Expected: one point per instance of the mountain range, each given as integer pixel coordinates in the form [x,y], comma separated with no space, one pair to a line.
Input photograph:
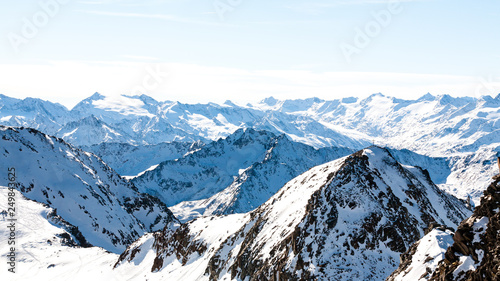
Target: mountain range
[350,218]
[463,130]
[353,189]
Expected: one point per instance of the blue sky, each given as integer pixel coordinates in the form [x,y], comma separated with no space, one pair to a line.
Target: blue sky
[65,50]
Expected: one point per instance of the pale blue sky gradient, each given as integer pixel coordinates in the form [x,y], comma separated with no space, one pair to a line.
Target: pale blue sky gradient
[455,39]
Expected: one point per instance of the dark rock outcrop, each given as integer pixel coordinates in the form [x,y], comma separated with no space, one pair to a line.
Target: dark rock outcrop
[476,240]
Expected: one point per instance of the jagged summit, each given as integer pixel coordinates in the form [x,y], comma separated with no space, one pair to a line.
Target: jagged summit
[269,101]
[427,97]
[145,98]
[93,97]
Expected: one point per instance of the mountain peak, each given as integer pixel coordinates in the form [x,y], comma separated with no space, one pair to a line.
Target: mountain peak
[446,99]
[96,96]
[245,135]
[229,103]
[349,100]
[271,101]
[374,95]
[427,97]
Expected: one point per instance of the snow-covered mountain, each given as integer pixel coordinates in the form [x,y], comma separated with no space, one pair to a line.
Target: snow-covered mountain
[462,130]
[131,160]
[34,113]
[226,177]
[344,220]
[107,210]
[90,130]
[471,253]
[207,171]
[148,121]
[232,175]
[429,125]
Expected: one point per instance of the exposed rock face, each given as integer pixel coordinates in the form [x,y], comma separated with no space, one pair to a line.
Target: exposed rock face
[475,253]
[349,219]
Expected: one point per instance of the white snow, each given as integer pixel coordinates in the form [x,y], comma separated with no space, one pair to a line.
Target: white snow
[123,105]
[457,128]
[430,251]
[466,264]
[479,228]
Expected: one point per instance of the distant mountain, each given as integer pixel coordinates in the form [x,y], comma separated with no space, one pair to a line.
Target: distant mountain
[90,130]
[429,125]
[130,160]
[231,175]
[148,121]
[349,219]
[470,253]
[201,174]
[88,195]
[34,113]
[463,130]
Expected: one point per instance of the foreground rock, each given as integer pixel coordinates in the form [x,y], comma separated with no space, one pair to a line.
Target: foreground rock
[473,252]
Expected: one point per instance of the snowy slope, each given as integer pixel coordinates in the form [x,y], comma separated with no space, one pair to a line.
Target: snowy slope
[424,256]
[348,219]
[46,251]
[471,253]
[108,210]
